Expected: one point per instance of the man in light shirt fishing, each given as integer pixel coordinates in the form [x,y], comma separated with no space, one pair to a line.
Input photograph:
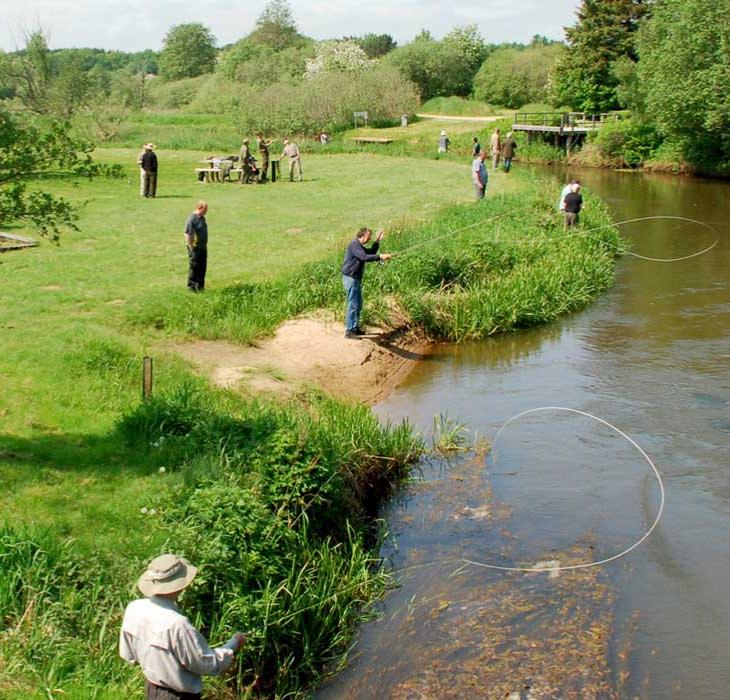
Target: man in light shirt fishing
[172,654]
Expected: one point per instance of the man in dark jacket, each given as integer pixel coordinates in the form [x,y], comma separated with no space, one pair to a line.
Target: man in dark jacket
[573,206]
[353,268]
[148,162]
[509,146]
[196,241]
[263,146]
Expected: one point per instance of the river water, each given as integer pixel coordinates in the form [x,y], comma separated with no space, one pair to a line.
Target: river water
[652,356]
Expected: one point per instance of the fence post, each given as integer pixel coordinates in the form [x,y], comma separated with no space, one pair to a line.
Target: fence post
[146,378]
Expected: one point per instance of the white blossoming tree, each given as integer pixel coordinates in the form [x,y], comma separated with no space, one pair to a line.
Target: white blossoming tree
[337,57]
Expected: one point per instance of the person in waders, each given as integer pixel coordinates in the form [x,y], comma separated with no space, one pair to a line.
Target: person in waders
[172,654]
[353,269]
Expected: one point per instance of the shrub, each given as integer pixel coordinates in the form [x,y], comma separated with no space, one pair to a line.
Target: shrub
[627,142]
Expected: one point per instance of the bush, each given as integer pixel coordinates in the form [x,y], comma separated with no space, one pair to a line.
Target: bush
[626,143]
[180,93]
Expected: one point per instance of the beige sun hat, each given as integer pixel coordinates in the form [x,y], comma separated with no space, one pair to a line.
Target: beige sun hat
[167,573]
[151,146]
[443,132]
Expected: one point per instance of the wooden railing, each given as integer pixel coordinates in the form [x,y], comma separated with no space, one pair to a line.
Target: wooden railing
[567,120]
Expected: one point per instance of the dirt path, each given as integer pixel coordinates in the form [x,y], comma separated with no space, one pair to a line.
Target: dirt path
[310,352]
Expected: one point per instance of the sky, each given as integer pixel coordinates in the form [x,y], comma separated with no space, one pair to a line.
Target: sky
[135,25]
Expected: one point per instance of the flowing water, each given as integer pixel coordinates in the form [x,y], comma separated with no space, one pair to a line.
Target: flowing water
[652,356]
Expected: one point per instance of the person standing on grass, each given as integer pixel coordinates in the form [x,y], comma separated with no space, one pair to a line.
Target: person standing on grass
[353,269]
[479,175]
[149,167]
[573,206]
[141,173]
[509,146]
[496,146]
[291,151]
[565,192]
[172,654]
[444,142]
[263,145]
[196,240]
[476,148]
[246,169]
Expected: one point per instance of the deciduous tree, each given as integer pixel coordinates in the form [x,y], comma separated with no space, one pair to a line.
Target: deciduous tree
[28,154]
[606,31]
[276,27]
[188,51]
[375,45]
[684,75]
[514,77]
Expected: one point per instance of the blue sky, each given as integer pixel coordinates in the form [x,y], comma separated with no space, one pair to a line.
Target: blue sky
[133,25]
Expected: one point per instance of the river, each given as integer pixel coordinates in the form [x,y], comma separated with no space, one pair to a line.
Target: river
[652,356]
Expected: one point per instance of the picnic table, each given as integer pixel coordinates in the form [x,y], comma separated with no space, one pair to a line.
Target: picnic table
[371,139]
[212,172]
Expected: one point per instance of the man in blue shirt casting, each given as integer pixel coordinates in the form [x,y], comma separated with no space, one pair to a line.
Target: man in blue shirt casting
[353,268]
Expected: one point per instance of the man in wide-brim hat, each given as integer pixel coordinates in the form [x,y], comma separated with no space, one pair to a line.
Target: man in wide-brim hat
[172,654]
[148,163]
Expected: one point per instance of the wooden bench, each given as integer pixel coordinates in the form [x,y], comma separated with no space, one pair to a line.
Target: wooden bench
[371,139]
[15,242]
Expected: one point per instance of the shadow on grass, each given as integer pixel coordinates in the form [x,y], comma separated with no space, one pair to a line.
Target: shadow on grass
[78,453]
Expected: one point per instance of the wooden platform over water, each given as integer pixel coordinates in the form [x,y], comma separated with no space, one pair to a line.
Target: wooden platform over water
[565,128]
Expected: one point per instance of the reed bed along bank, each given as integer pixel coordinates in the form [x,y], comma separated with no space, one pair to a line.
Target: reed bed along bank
[475,270]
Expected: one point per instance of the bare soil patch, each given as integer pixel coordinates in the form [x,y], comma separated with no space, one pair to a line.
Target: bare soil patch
[311,352]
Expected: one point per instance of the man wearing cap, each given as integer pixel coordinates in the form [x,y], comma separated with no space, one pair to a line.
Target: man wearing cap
[172,654]
[149,166]
[291,151]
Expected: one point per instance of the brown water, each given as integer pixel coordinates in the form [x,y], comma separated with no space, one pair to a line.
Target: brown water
[652,357]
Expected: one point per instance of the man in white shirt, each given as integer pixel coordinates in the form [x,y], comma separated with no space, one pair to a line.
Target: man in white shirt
[291,151]
[172,654]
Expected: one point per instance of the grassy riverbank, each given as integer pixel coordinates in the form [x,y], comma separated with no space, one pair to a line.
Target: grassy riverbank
[273,501]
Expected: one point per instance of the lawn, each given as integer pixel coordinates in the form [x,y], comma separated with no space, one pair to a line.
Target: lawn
[65,304]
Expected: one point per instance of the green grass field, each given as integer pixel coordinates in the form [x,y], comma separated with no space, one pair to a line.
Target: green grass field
[67,301]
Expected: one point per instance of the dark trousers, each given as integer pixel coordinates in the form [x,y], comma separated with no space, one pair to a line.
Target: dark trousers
[156,692]
[150,184]
[198,264]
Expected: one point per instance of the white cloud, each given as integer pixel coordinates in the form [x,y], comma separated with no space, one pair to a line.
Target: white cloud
[140,24]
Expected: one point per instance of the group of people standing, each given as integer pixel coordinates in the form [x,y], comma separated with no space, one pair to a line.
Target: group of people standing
[498,148]
[251,171]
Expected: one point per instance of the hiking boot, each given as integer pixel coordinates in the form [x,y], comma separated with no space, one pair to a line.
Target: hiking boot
[359,331]
[352,334]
